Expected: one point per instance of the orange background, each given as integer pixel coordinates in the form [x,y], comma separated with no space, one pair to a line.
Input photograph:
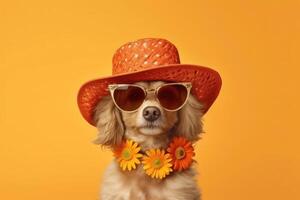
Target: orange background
[48,49]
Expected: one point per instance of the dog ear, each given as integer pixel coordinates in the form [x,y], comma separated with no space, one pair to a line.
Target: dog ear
[189,123]
[109,123]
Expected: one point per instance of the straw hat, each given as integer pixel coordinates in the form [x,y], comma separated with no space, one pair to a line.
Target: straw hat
[150,59]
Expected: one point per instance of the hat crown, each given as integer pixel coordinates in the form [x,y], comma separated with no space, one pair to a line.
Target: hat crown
[144,54]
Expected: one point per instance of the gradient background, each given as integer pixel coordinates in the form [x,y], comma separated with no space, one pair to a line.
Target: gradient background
[48,49]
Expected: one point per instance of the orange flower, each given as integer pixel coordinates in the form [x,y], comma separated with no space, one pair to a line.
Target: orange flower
[157,163]
[128,155]
[182,153]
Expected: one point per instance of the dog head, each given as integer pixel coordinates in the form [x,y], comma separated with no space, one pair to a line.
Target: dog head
[150,119]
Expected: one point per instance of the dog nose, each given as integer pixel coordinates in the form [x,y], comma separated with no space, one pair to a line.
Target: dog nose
[151,113]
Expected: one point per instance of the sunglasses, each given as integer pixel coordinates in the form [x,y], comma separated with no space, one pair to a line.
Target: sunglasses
[129,97]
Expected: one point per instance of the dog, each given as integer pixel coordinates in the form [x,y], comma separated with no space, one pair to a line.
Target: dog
[115,125]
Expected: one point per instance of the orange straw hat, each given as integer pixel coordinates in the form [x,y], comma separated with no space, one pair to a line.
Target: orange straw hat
[150,59]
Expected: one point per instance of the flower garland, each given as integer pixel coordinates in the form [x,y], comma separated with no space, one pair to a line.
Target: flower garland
[158,163]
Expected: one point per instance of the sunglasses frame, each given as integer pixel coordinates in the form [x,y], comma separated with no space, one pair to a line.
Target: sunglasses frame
[113,87]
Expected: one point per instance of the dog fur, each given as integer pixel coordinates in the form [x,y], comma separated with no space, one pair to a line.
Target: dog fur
[115,125]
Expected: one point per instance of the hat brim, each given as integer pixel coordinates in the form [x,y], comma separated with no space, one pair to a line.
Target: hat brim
[206,84]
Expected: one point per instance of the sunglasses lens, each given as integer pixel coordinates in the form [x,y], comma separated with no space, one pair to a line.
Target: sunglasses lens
[172,97]
[129,98]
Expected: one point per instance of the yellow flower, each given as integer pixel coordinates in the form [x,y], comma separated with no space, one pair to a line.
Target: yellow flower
[157,163]
[128,155]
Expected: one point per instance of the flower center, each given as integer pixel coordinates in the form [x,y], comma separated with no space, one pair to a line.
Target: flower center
[157,163]
[180,153]
[126,154]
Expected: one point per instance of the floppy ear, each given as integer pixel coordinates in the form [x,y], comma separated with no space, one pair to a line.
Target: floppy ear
[189,123]
[109,123]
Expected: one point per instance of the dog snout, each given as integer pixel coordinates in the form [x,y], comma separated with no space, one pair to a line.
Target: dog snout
[151,113]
